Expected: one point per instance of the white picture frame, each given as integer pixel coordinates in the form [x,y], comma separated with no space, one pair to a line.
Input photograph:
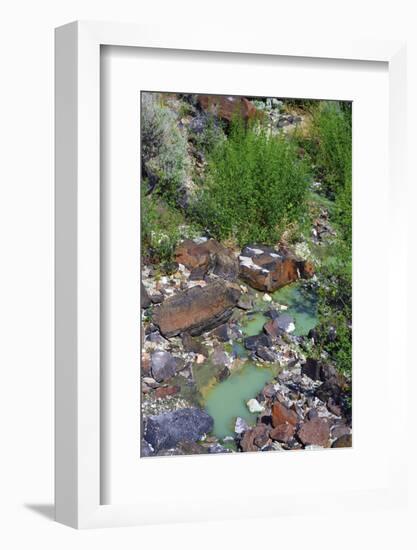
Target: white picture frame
[77,242]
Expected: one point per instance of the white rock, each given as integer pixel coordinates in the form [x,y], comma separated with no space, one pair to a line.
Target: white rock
[291,327]
[200,359]
[241,425]
[254,406]
[267,298]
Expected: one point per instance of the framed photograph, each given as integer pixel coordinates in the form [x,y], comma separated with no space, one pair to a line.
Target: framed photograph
[225,323]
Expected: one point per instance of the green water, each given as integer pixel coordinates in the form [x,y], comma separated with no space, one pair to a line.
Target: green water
[254,324]
[227,400]
[302,306]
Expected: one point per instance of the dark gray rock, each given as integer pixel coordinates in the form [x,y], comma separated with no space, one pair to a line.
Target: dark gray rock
[311,368]
[245,302]
[166,430]
[221,333]
[254,342]
[266,354]
[164,365]
[145,300]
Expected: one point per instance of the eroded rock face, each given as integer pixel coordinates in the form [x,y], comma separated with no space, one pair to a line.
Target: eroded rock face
[197,309]
[267,269]
[207,257]
[166,430]
[225,107]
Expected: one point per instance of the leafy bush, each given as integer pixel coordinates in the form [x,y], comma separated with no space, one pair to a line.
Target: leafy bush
[255,186]
[164,147]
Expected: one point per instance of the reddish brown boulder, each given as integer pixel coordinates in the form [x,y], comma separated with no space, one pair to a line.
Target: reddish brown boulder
[255,438]
[271,270]
[225,107]
[283,432]
[281,415]
[162,392]
[196,310]
[315,432]
[209,256]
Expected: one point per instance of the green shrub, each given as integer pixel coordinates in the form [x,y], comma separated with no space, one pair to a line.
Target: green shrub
[331,147]
[255,186]
[164,147]
[162,227]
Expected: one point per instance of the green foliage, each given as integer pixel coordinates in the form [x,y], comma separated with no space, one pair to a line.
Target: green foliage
[256,185]
[164,147]
[331,147]
[162,227]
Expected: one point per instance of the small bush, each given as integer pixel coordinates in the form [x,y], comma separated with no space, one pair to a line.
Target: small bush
[164,147]
[161,230]
[255,186]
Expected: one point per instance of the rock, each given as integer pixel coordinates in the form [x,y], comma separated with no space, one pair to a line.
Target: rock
[145,300]
[145,449]
[197,309]
[315,432]
[255,438]
[217,448]
[268,270]
[191,448]
[269,391]
[221,333]
[157,298]
[267,298]
[254,406]
[259,340]
[283,432]
[151,382]
[311,368]
[282,415]
[266,354]
[312,413]
[191,344]
[165,391]
[241,425]
[281,323]
[333,407]
[339,429]
[245,302]
[207,257]
[223,374]
[343,441]
[272,313]
[164,365]
[219,358]
[165,430]
[225,107]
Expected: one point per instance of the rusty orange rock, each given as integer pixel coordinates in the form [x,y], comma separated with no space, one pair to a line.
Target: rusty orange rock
[281,415]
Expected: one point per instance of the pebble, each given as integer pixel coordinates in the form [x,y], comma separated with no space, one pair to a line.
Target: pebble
[254,406]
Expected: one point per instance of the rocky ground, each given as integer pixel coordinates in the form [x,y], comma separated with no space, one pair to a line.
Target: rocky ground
[193,337]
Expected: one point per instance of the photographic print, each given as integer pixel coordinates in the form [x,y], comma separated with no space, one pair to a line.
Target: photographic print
[246,274]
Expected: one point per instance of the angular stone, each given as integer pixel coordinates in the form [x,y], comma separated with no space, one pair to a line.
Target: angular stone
[163,365]
[221,333]
[315,432]
[241,425]
[282,415]
[266,354]
[245,302]
[197,309]
[253,342]
[283,432]
[268,271]
[165,430]
[207,257]
[255,438]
